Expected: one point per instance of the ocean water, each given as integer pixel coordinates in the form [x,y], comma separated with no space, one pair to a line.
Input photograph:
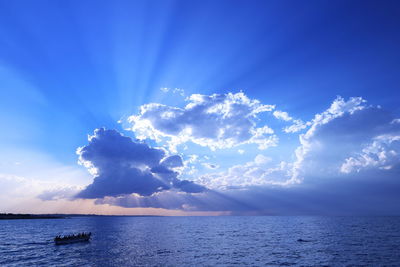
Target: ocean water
[204,241]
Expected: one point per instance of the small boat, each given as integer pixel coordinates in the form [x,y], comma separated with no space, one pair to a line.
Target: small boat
[68,239]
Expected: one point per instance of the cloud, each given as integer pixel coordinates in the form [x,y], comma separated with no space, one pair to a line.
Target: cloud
[217,121]
[172,161]
[282,115]
[15,190]
[17,186]
[205,201]
[348,137]
[344,138]
[210,165]
[382,153]
[59,193]
[362,195]
[347,162]
[122,166]
[179,91]
[297,125]
[259,172]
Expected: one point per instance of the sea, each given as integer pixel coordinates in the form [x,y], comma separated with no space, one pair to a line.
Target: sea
[204,241]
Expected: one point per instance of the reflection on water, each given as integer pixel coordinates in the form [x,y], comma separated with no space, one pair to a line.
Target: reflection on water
[272,241]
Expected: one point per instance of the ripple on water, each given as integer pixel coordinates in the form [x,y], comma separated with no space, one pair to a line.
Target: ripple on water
[272,241]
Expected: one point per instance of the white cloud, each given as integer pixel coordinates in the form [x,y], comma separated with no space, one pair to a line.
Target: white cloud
[282,115]
[260,171]
[26,174]
[344,147]
[261,159]
[217,121]
[179,91]
[17,188]
[334,143]
[193,158]
[382,153]
[67,192]
[349,136]
[297,125]
[313,149]
[395,121]
[337,109]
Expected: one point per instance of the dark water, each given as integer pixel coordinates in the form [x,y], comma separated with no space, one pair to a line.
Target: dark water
[204,241]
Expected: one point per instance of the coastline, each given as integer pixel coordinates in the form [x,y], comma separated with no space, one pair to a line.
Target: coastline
[11,216]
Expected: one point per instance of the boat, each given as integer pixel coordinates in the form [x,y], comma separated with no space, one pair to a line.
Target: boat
[69,239]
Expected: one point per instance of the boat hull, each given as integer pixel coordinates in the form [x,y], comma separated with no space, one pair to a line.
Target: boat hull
[71,241]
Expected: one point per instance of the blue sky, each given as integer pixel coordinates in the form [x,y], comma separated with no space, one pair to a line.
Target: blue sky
[68,68]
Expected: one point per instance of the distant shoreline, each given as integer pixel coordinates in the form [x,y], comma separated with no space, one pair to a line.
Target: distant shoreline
[11,216]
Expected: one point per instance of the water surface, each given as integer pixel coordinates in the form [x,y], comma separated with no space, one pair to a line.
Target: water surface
[204,241]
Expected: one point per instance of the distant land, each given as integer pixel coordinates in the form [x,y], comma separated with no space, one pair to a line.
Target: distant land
[12,216]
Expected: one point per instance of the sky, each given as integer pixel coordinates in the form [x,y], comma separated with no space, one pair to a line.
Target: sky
[200,107]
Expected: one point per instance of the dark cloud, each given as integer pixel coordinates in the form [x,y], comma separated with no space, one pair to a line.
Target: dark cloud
[188,186]
[122,166]
[205,201]
[359,196]
[172,161]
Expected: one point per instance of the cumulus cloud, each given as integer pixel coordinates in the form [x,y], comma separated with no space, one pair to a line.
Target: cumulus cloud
[347,136]
[382,153]
[217,121]
[122,166]
[349,151]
